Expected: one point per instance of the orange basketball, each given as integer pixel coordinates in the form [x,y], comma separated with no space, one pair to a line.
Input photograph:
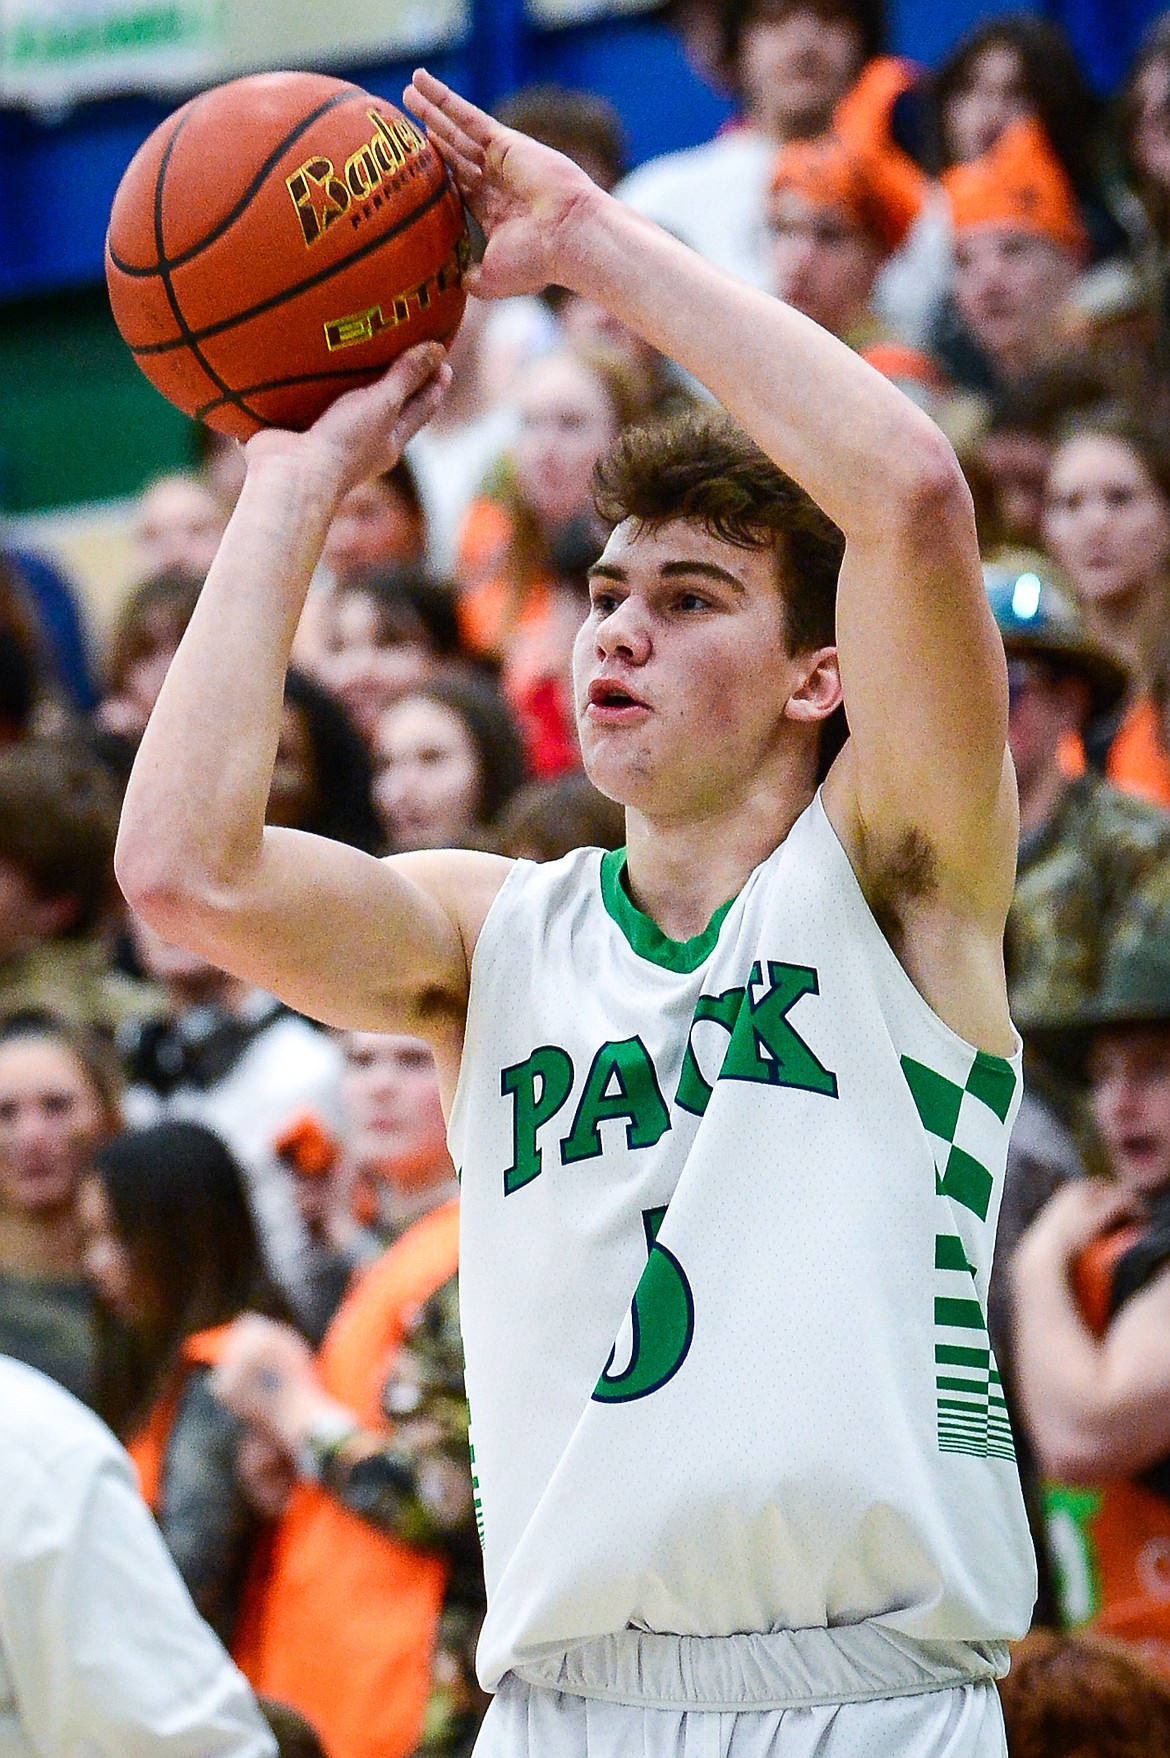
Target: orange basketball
[277,241]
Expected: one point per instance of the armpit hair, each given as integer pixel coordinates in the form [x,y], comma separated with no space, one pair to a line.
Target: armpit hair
[904,874]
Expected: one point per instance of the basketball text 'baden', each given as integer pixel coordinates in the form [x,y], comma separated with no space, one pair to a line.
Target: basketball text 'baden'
[279,240]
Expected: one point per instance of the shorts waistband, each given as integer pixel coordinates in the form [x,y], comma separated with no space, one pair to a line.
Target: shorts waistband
[781,1669]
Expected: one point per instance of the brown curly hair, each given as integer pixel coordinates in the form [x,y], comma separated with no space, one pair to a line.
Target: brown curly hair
[1083,1697]
[699,466]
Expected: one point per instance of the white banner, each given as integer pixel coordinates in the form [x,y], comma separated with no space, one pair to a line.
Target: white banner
[53,51]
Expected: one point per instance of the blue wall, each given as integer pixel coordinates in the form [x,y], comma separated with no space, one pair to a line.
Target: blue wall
[67,171]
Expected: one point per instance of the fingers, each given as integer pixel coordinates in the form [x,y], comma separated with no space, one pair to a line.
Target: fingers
[417,411]
[449,114]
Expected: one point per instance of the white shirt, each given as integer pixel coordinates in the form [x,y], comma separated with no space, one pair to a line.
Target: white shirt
[289,1069]
[102,1654]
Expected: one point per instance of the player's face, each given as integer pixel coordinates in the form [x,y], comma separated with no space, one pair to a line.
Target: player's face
[51,1119]
[682,676]
[1130,1073]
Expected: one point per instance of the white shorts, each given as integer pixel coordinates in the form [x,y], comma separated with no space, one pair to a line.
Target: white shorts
[856,1693]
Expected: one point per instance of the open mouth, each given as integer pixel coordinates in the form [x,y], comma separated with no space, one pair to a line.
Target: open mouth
[611,697]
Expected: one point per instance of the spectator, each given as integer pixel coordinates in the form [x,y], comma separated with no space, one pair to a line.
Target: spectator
[378,646]
[229,1056]
[178,523]
[580,124]
[1081,1697]
[791,62]
[1091,1292]
[172,1252]
[449,760]
[572,405]
[473,425]
[377,1575]
[145,636]
[1020,245]
[58,820]
[60,628]
[1017,67]
[1145,138]
[1108,525]
[294,1737]
[24,694]
[1085,848]
[102,1654]
[548,819]
[379,526]
[59,1099]
[836,215]
[323,776]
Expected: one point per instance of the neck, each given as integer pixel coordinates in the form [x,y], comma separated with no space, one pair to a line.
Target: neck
[40,1245]
[1040,795]
[680,871]
[399,1208]
[1129,625]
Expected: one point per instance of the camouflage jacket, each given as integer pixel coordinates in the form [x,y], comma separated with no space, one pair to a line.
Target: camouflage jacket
[1076,880]
[418,1486]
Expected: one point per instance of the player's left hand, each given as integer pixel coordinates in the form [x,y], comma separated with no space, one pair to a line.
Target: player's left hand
[524,195]
[364,432]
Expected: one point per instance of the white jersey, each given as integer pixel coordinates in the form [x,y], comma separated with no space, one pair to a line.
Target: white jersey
[727,1220]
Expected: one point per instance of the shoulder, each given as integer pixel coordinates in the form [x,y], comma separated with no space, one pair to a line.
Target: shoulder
[47,1438]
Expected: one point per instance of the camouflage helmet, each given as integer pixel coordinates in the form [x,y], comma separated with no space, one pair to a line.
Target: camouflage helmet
[1135,991]
[1036,617]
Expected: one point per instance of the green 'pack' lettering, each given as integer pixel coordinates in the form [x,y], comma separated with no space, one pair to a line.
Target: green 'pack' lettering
[551,1070]
[764,1047]
[694,1092]
[625,1068]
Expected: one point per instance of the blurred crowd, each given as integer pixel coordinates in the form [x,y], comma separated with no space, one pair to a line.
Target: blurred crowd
[232,1232]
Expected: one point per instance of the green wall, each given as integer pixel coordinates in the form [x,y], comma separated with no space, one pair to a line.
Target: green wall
[78,422]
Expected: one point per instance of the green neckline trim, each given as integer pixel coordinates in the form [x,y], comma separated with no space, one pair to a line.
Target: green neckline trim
[646,937]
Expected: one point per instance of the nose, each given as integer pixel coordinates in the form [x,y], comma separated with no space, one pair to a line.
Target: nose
[625,633]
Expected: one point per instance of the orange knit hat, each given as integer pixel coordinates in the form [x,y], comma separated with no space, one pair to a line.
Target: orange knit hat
[1019,182]
[830,173]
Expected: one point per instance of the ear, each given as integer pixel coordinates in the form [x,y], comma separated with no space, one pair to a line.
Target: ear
[817,692]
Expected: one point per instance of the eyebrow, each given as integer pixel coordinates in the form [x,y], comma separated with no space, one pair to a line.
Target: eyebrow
[672,571]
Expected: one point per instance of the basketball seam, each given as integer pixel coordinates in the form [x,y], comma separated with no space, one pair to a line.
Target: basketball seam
[249,195]
[276,299]
[187,335]
[305,378]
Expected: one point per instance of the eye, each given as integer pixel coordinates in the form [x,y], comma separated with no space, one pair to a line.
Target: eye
[692,601]
[57,1104]
[602,601]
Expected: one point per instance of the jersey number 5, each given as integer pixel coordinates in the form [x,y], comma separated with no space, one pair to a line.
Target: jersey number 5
[662,1321]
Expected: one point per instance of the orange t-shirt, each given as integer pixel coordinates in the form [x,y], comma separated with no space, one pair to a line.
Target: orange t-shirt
[1138,760]
[492,606]
[1111,1542]
[350,1614]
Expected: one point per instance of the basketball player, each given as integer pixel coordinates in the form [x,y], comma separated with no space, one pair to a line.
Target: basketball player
[732,1106]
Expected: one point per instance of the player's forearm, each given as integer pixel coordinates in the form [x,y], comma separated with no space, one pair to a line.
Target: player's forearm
[848,436]
[193,818]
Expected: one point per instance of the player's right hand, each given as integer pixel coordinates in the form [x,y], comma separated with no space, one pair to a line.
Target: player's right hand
[525,196]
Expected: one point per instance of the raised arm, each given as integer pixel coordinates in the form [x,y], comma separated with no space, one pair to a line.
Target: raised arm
[922,663]
[379,945]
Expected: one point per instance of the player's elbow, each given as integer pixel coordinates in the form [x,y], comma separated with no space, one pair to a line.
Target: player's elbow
[167,886]
[931,491]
